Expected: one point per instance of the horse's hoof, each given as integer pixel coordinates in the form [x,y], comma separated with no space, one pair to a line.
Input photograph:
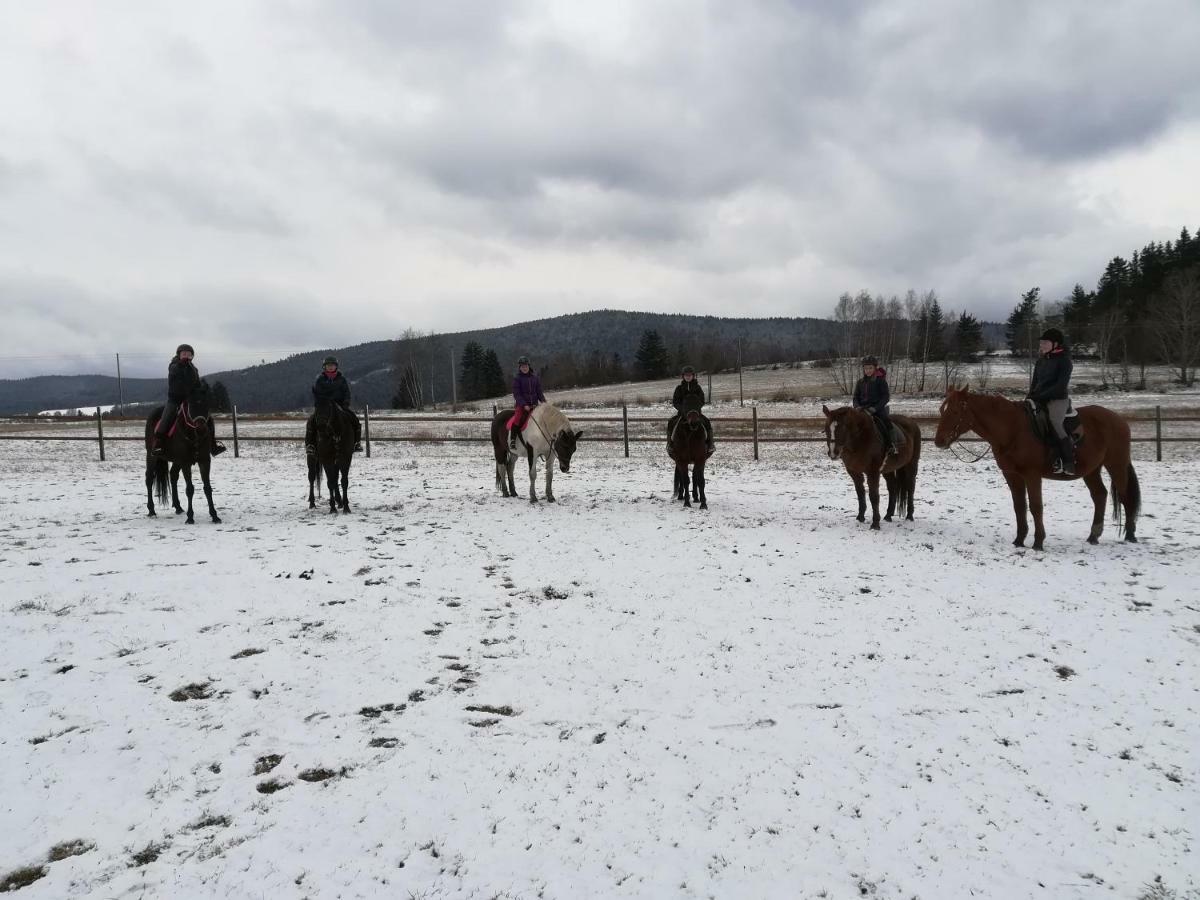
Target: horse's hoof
[704,506]
[1131,539]
[1037,545]
[1018,542]
[908,518]
[887,518]
[216,520]
[1092,539]
[152,514]
[189,521]
[860,518]
[875,526]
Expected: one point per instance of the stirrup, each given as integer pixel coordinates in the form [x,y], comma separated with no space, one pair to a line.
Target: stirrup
[357,447]
[218,449]
[310,449]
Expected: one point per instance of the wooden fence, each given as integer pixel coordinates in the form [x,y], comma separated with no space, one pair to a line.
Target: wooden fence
[756,430]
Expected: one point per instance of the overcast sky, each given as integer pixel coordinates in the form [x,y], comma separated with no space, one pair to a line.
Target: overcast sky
[263,177]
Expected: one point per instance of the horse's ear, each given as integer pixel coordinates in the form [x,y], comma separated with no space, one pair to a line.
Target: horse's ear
[578,435]
[825,409]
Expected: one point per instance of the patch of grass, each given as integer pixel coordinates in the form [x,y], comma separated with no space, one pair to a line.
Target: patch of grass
[319,774]
[19,878]
[69,848]
[194,691]
[270,787]
[249,651]
[147,855]
[1064,672]
[265,764]
[550,592]
[493,710]
[210,821]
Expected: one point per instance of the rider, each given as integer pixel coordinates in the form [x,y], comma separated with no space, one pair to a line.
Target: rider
[331,385]
[1048,387]
[689,387]
[527,393]
[182,379]
[872,395]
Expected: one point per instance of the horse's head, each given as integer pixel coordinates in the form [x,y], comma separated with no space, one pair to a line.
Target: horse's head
[837,432]
[564,447]
[199,402]
[323,413]
[691,411]
[954,418]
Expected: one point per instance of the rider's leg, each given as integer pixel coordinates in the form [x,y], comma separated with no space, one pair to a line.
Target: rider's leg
[885,425]
[671,423]
[518,420]
[215,447]
[708,435]
[357,429]
[1056,410]
[170,411]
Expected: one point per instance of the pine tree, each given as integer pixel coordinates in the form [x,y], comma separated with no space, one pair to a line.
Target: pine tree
[1024,324]
[494,383]
[937,332]
[968,337]
[470,380]
[219,398]
[653,361]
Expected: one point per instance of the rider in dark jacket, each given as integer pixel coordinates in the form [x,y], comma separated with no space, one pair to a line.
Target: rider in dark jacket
[1048,388]
[182,379]
[871,394]
[527,393]
[331,386]
[689,387]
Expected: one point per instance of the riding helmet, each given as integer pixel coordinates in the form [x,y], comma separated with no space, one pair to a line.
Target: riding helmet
[330,361]
[688,370]
[870,361]
[1053,335]
[187,347]
[523,361]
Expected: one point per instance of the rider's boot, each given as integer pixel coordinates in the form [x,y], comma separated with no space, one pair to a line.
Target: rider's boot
[1066,451]
[158,449]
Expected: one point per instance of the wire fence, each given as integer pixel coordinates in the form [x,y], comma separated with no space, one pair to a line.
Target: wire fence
[624,429]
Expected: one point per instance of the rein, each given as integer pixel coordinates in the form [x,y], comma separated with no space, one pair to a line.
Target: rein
[954,448]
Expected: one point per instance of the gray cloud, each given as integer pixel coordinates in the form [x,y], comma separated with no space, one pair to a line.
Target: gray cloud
[315,174]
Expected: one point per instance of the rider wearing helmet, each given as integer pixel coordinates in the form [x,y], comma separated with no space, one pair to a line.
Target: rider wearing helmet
[182,379]
[689,387]
[1048,388]
[527,393]
[331,386]
[871,395]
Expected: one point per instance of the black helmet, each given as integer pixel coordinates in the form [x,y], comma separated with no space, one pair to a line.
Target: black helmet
[870,361]
[1053,335]
[330,360]
[688,370]
[523,361]
[187,347]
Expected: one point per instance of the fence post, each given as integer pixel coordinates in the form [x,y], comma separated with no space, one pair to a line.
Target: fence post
[236,450]
[625,426]
[100,432]
[754,419]
[495,411]
[367,427]
[1158,434]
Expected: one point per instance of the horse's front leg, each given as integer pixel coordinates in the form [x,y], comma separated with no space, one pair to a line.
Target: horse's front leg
[685,486]
[313,472]
[1095,485]
[346,486]
[191,489]
[1016,486]
[860,491]
[205,464]
[532,476]
[550,477]
[1033,485]
[150,470]
[873,489]
[175,467]
[331,482]
[698,478]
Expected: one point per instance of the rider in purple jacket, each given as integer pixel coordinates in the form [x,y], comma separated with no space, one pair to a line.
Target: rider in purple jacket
[527,393]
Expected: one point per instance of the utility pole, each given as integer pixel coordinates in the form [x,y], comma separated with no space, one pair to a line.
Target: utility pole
[741,392]
[120,387]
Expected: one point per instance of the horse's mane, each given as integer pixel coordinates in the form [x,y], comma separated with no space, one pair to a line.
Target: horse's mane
[857,420]
[551,419]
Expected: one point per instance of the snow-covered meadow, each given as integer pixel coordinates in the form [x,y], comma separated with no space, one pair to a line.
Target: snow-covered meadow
[447,694]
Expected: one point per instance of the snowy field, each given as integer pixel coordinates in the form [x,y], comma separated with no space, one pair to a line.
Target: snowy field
[446,694]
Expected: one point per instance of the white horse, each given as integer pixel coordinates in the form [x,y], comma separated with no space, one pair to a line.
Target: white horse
[548,436]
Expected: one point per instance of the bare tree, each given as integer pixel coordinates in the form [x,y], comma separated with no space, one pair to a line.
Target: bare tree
[414,357]
[1178,322]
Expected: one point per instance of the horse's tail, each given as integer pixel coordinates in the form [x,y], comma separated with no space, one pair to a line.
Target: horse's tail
[160,480]
[1131,495]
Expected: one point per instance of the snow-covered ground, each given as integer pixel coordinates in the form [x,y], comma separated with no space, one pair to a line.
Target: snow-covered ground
[447,694]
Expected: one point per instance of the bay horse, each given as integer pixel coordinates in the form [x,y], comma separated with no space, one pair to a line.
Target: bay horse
[1024,460]
[334,431]
[688,445]
[852,436]
[185,446]
[548,435]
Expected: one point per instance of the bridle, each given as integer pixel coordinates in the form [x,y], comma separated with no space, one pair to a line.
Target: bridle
[963,423]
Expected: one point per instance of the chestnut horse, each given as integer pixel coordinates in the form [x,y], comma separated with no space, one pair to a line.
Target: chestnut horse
[852,436]
[1024,460]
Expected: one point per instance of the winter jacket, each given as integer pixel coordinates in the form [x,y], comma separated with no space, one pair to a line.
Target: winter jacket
[182,379]
[527,389]
[686,389]
[872,394]
[1051,375]
[335,389]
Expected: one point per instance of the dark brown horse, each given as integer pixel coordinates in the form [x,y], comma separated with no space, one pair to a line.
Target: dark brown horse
[334,429]
[1024,460]
[852,436]
[688,445]
[187,445]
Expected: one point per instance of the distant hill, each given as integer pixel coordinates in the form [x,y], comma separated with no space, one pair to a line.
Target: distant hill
[371,367]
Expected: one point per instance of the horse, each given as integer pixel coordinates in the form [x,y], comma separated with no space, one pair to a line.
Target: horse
[687,445]
[852,436]
[548,435]
[335,450]
[1024,460]
[186,445]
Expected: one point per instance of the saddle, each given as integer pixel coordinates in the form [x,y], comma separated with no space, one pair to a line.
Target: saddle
[899,438]
[1039,421]
[183,415]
